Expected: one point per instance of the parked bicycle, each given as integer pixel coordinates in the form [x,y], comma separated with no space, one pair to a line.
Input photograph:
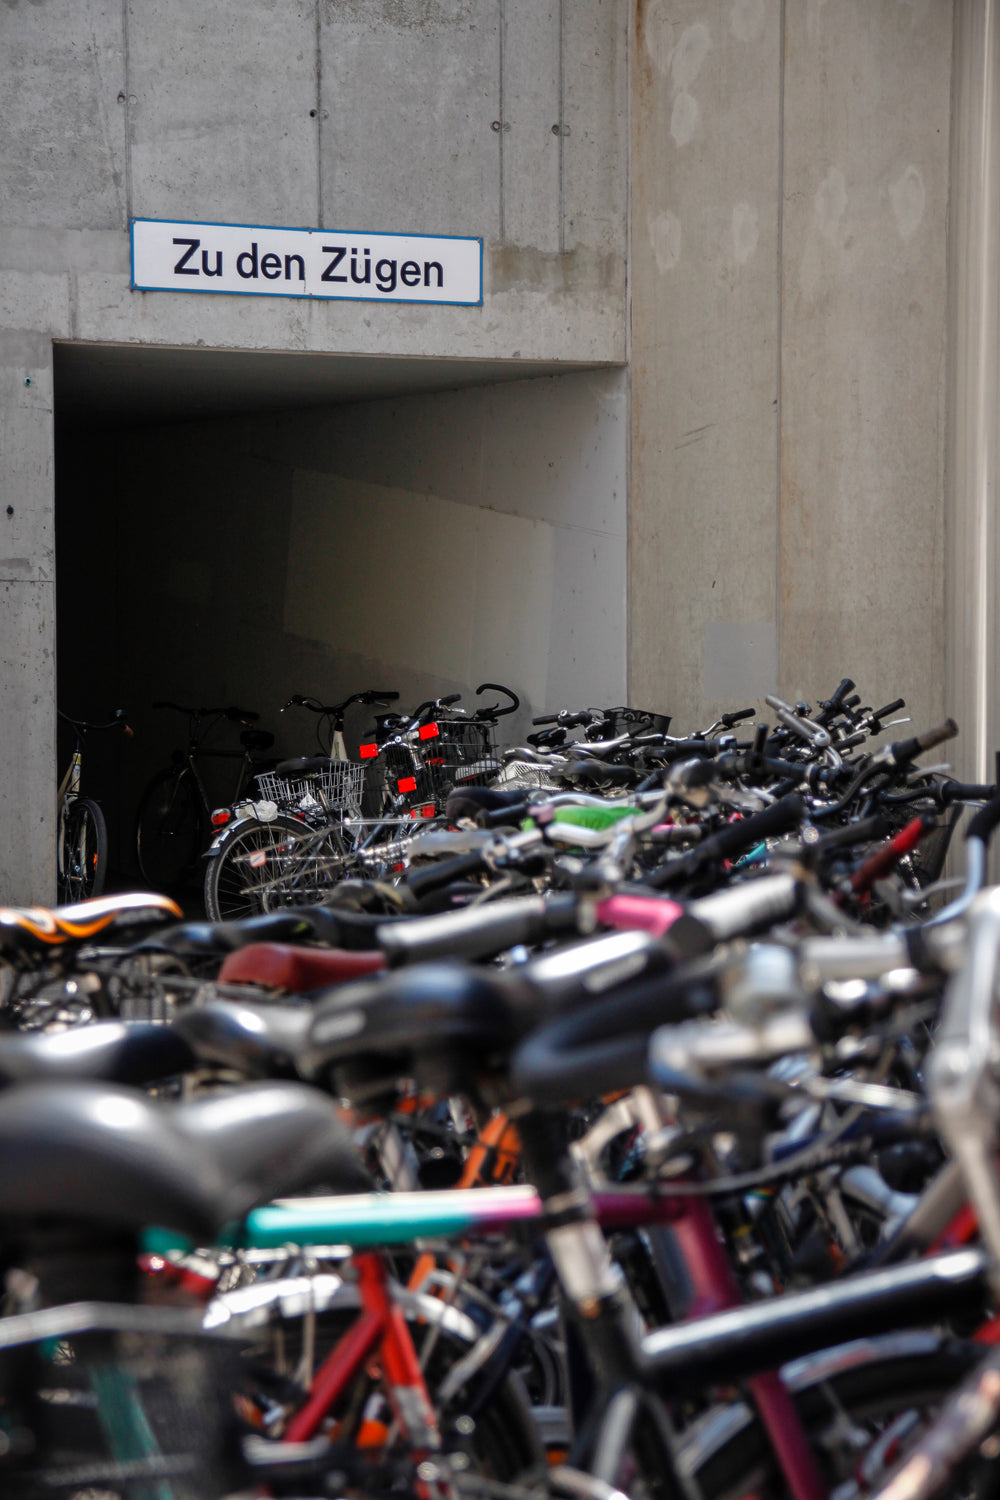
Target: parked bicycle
[174,814]
[287,845]
[82,834]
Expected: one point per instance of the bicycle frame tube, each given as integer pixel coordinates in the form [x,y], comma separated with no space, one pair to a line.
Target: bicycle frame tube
[732,1342]
[380,1324]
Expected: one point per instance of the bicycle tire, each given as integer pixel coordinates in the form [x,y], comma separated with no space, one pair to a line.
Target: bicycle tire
[504,1445]
[234,888]
[873,1392]
[83,861]
[168,829]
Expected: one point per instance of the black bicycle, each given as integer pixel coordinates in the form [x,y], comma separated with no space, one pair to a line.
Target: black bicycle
[174,814]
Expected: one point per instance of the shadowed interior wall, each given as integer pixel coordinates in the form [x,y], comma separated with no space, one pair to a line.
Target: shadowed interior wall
[424,545]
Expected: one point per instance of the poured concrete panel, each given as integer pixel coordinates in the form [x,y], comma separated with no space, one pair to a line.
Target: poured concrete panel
[867,98]
[27,619]
[62,115]
[219,111]
[705,244]
[27,743]
[409,94]
[789,220]
[594,175]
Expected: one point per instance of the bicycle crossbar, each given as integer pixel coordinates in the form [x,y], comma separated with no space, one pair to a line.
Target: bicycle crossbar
[731,1344]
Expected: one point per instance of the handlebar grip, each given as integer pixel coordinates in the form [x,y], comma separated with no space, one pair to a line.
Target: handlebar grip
[781,817]
[983,824]
[741,908]
[840,693]
[734,718]
[546,719]
[904,750]
[477,931]
[241,715]
[422,883]
[447,701]
[505,817]
[890,708]
[375,695]
[961,791]
[862,832]
[601,1047]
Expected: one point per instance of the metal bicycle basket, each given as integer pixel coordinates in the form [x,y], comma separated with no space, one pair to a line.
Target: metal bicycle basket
[134,1412]
[527,775]
[462,754]
[336,786]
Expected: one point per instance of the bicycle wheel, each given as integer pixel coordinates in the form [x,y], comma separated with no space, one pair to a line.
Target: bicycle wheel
[258,867]
[858,1421]
[489,1419]
[168,828]
[83,856]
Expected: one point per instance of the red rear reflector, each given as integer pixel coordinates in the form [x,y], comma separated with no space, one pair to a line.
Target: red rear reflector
[429,731]
[368,752]
[408,784]
[220,817]
[427,811]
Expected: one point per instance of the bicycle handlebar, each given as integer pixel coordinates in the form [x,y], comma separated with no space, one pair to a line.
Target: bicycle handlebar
[496,712]
[983,824]
[117,722]
[368,697]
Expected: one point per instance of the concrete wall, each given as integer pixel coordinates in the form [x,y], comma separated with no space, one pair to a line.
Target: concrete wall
[423,545]
[504,119]
[790,191]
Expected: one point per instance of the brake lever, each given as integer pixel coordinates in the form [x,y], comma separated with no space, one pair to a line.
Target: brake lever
[813,734]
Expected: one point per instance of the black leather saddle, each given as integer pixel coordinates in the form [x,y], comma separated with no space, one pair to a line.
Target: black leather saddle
[111,1051]
[473,801]
[92,1153]
[258,1041]
[445,1025]
[303,765]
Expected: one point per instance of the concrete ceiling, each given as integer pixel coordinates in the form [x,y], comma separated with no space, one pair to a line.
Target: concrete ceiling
[128,385]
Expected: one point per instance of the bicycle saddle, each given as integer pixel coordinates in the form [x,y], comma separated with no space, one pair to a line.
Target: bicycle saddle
[599,771]
[97,1153]
[444,1025]
[304,765]
[36,928]
[471,801]
[259,1041]
[135,1053]
[302,924]
[297,970]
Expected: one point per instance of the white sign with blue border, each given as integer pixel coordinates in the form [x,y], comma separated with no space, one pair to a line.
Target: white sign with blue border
[242,259]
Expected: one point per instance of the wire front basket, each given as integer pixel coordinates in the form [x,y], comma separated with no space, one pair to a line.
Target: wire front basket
[336,787]
[130,1412]
[526,775]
